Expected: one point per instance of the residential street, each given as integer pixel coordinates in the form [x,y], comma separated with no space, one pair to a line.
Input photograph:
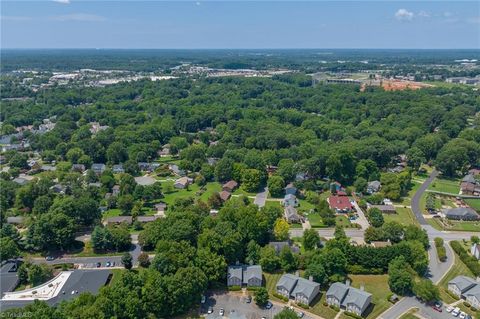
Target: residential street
[438,269]
[416,198]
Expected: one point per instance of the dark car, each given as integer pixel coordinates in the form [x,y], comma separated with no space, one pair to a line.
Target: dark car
[49,258]
[99,264]
[248,299]
[269,305]
[437,306]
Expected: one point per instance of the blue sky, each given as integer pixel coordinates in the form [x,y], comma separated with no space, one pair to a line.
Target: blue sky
[240,24]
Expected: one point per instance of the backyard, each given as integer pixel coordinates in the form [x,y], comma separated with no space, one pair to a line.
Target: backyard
[403,216]
[451,186]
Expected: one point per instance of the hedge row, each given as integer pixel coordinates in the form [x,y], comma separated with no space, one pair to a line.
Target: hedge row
[353,315]
[280,297]
[470,261]
[234,288]
[302,305]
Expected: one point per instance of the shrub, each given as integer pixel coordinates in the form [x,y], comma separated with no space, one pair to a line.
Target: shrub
[353,315]
[302,305]
[468,260]
[234,288]
[467,304]
[252,288]
[283,298]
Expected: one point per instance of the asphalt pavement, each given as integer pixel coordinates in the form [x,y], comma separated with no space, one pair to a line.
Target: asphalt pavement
[261,198]
[418,195]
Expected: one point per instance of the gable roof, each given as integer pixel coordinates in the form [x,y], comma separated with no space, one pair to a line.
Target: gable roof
[339,202]
[474,292]
[252,272]
[337,290]
[469,179]
[230,185]
[305,287]
[461,211]
[357,297]
[235,272]
[287,281]
[462,282]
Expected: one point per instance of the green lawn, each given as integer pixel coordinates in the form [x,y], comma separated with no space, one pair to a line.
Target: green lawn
[453,225]
[179,193]
[210,188]
[273,203]
[241,191]
[445,185]
[321,310]
[304,206]
[403,216]
[377,285]
[474,203]
[343,221]
[315,220]
[112,213]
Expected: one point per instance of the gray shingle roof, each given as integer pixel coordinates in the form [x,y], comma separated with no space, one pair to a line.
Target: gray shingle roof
[254,271]
[305,287]
[460,211]
[357,297]
[287,281]
[475,292]
[462,282]
[235,272]
[338,290]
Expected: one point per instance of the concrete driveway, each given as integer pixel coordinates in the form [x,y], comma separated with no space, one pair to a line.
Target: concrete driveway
[261,197]
[362,219]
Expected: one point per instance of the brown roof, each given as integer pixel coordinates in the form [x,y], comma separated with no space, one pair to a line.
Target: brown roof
[147,219]
[224,195]
[119,219]
[230,185]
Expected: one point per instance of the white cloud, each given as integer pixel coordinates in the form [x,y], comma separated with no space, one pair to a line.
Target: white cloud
[79,17]
[404,15]
[15,18]
[197,3]
[424,14]
[62,1]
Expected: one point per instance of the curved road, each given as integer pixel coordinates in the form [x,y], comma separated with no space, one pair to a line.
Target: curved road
[418,195]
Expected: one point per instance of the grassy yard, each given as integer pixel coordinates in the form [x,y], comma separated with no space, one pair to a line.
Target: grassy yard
[304,206]
[403,216]
[343,221]
[210,188]
[241,191]
[112,213]
[179,193]
[445,185]
[453,225]
[316,220]
[321,310]
[474,203]
[377,285]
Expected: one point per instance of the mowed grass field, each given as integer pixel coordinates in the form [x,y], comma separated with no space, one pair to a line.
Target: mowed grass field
[403,216]
[445,185]
[474,203]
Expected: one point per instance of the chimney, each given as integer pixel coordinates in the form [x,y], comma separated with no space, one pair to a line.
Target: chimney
[310,278]
[347,282]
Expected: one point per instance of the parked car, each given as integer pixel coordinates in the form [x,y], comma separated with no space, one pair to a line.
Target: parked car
[49,258]
[437,306]
[463,315]
[449,309]
[269,305]
[204,299]
[456,312]
[300,314]
[248,299]
[99,264]
[210,310]
[221,312]
[107,264]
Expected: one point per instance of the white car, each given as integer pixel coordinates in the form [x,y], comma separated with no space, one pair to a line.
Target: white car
[463,315]
[456,312]
[449,309]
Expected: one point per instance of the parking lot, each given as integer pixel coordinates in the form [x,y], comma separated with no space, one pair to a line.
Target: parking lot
[235,306]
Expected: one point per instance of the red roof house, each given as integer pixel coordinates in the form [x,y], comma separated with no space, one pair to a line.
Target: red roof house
[341,204]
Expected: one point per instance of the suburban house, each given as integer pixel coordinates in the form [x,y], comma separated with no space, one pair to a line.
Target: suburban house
[229,186]
[386,209]
[58,188]
[341,204]
[15,220]
[147,219]
[80,168]
[290,189]
[116,190]
[119,220]
[176,170]
[351,299]
[117,169]
[252,276]
[290,200]
[278,246]
[165,151]
[461,213]
[475,251]
[182,182]
[373,187]
[473,296]
[160,207]
[21,181]
[98,168]
[460,285]
[249,275]
[300,289]
[469,185]
[48,168]
[225,195]
[291,214]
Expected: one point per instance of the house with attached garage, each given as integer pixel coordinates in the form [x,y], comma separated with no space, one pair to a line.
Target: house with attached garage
[373,187]
[349,298]
[300,289]
[182,182]
[461,213]
[291,214]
